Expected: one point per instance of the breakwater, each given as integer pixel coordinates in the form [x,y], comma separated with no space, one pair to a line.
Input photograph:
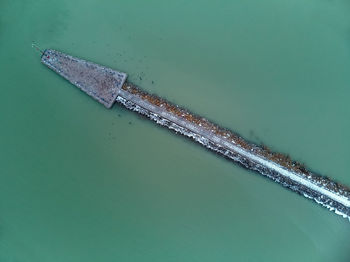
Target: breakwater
[275,166]
[107,85]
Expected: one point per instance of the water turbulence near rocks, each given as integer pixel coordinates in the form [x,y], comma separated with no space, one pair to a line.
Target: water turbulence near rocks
[107,86]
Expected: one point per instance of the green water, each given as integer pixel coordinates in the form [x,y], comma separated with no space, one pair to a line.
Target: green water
[82,183]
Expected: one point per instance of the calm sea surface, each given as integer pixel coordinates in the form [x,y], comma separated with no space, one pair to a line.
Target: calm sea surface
[82,183]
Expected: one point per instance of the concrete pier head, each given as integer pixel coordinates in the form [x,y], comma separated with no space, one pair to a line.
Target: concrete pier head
[99,82]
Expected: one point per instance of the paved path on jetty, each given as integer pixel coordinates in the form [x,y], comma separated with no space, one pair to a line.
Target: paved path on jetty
[231,146]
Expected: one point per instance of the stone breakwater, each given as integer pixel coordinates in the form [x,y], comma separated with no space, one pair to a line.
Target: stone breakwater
[107,86]
[278,167]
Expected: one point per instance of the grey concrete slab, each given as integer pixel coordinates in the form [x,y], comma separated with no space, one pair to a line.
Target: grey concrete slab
[99,82]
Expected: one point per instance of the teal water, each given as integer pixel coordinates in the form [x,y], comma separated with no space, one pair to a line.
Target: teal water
[82,183]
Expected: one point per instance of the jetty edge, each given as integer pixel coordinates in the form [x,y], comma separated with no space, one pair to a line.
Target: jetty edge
[108,86]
